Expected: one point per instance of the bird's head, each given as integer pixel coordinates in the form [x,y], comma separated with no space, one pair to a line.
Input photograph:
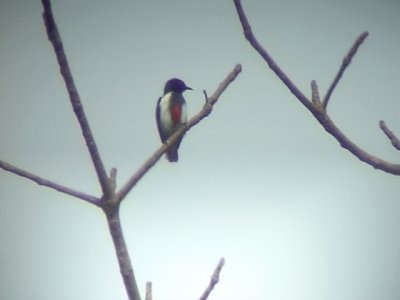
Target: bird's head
[175,85]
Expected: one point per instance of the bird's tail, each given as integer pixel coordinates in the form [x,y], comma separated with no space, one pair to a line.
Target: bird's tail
[172,153]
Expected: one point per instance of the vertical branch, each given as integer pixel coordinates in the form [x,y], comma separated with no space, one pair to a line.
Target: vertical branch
[121,250]
[55,39]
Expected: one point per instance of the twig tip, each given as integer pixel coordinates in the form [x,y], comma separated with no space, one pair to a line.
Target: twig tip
[365,34]
[238,68]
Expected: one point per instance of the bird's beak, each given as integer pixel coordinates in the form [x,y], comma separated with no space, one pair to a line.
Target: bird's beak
[189,88]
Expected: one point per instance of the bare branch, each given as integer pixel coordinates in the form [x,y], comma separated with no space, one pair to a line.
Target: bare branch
[317,110]
[125,266]
[149,294]
[214,280]
[346,62]
[107,203]
[205,111]
[55,39]
[55,186]
[248,33]
[361,154]
[392,137]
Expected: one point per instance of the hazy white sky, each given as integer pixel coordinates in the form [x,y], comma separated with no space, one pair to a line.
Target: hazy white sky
[258,182]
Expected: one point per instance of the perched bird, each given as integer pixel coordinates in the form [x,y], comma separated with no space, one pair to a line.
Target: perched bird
[171,114]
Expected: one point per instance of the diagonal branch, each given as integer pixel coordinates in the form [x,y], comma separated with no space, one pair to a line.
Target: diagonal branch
[314,106]
[361,154]
[346,62]
[248,33]
[55,39]
[55,186]
[205,111]
[214,280]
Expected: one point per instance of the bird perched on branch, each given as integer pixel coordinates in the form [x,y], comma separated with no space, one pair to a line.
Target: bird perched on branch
[171,114]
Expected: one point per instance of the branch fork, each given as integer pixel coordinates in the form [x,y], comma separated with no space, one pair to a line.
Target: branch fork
[110,199]
[316,108]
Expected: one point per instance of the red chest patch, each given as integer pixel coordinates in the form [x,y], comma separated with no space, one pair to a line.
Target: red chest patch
[176,113]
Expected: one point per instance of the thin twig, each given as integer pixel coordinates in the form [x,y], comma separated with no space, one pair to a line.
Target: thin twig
[55,186]
[113,179]
[315,93]
[205,96]
[149,294]
[55,39]
[214,280]
[205,111]
[248,33]
[346,62]
[320,114]
[391,136]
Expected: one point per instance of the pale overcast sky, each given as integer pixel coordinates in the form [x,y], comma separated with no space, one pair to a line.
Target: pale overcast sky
[258,182]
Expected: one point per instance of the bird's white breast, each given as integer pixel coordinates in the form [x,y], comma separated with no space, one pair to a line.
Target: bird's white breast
[165,113]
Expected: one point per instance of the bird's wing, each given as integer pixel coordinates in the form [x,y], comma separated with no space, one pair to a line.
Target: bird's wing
[158,118]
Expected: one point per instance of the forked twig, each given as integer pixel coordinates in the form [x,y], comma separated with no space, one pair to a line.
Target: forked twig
[110,200]
[319,111]
[204,112]
[55,39]
[248,33]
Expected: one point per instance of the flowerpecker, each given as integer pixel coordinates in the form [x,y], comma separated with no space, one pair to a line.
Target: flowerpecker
[171,114]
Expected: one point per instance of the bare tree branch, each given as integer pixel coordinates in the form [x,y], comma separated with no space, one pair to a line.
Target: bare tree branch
[123,256]
[205,111]
[107,203]
[392,137]
[346,62]
[110,201]
[55,39]
[314,107]
[125,266]
[214,280]
[248,33]
[55,186]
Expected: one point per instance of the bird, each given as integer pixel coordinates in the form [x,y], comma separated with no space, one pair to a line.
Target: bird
[171,114]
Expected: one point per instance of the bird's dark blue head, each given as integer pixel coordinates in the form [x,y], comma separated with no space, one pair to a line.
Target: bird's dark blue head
[175,85]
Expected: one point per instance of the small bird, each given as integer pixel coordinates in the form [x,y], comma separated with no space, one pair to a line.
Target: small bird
[171,114]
